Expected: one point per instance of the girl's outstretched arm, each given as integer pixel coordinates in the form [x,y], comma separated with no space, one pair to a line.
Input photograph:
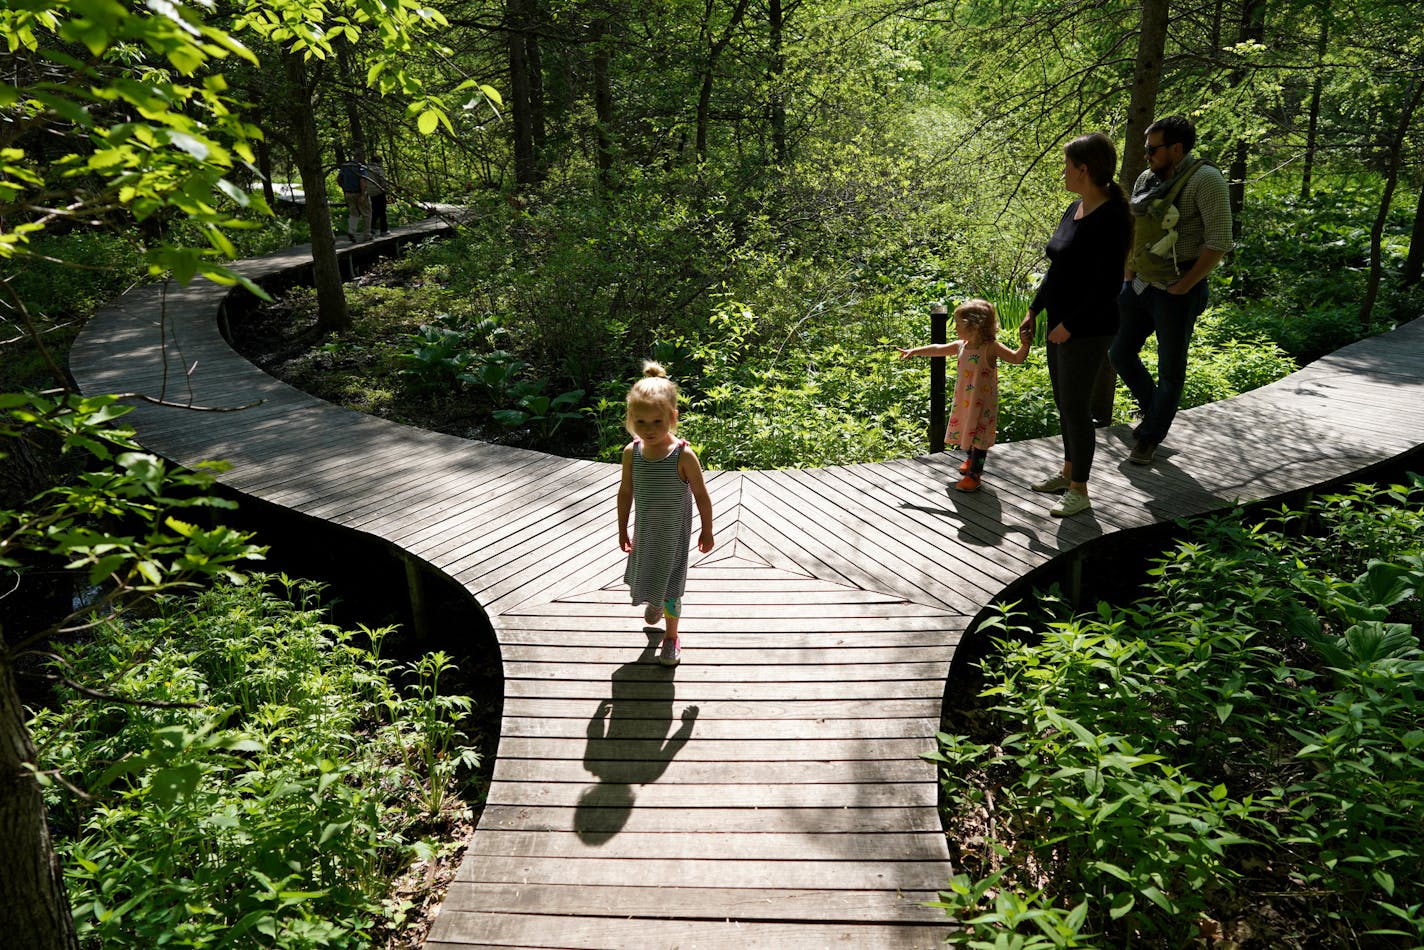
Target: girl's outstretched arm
[625,500]
[932,349]
[1019,355]
[691,471]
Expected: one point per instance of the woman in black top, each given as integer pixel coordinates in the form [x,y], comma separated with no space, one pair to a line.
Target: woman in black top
[1079,295]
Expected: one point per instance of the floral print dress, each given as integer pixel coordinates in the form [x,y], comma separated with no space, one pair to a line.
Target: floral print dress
[975,417]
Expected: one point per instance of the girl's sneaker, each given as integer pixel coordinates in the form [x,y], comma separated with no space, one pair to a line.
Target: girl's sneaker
[970,482]
[652,614]
[672,652]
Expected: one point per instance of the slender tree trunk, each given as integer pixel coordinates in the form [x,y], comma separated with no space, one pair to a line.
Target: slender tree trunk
[1141,108]
[1396,151]
[603,99]
[34,905]
[776,19]
[1146,80]
[332,315]
[1414,263]
[350,80]
[1253,29]
[517,21]
[537,121]
[264,167]
[709,67]
[1322,44]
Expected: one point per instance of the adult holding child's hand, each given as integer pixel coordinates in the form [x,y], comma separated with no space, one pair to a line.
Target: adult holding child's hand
[1078,296]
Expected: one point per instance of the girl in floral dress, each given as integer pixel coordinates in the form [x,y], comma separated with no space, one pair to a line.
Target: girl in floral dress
[975,417]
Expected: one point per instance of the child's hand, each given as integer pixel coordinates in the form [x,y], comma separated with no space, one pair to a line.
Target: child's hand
[1025,335]
[904,353]
[704,540]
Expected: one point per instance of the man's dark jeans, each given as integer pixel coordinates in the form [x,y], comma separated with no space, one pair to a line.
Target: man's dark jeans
[1172,319]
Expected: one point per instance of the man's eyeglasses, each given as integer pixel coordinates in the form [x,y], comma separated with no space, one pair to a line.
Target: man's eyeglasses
[1151,150]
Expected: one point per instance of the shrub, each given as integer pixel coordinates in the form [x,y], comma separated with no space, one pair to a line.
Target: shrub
[269,798]
[1251,725]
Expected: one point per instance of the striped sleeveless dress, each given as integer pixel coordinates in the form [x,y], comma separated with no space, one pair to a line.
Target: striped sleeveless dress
[662,528]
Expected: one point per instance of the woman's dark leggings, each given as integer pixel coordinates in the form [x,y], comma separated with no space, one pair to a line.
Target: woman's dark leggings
[1073,369]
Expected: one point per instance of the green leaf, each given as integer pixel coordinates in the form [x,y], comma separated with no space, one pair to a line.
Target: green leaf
[172,783]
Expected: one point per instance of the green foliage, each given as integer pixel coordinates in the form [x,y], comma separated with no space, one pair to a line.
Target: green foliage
[128,520]
[272,797]
[1259,708]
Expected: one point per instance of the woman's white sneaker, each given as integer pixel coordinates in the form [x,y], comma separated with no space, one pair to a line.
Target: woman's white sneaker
[1073,501]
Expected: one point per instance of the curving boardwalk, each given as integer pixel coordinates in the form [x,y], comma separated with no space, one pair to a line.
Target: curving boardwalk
[770,791]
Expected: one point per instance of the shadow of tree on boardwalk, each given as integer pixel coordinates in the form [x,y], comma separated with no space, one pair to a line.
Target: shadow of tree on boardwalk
[628,743]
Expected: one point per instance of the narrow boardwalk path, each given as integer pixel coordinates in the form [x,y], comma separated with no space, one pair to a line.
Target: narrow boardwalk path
[770,791]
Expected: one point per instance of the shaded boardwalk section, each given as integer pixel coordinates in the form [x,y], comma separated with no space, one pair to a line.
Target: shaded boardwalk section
[770,791]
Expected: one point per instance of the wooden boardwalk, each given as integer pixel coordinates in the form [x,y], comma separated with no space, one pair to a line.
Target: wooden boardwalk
[770,791]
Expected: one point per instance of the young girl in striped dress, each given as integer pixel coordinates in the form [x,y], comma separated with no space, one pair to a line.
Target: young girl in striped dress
[661,478]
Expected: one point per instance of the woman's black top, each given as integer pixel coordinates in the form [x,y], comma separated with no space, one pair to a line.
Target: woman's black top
[1086,259]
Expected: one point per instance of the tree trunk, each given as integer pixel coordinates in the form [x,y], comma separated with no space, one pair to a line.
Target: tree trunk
[709,67]
[517,21]
[1322,44]
[34,905]
[264,167]
[537,122]
[332,315]
[1253,30]
[1141,109]
[603,99]
[1396,151]
[1414,263]
[1146,79]
[777,22]
[349,81]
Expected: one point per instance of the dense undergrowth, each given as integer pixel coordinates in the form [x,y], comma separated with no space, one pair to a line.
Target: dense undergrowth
[264,779]
[1237,756]
[528,326]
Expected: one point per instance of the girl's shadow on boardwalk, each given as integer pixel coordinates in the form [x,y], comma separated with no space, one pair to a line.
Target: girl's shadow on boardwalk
[628,742]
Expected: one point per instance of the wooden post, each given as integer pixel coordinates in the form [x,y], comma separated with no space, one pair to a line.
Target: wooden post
[939,324]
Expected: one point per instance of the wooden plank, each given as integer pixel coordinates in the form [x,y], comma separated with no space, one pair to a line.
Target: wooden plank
[721,750]
[642,819]
[721,873]
[786,730]
[478,930]
[603,762]
[761,689]
[707,843]
[866,794]
[723,672]
[780,904]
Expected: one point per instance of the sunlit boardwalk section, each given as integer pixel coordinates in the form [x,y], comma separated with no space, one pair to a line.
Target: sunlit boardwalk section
[770,792]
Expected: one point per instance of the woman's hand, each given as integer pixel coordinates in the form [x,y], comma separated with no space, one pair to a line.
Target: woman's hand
[1059,334]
